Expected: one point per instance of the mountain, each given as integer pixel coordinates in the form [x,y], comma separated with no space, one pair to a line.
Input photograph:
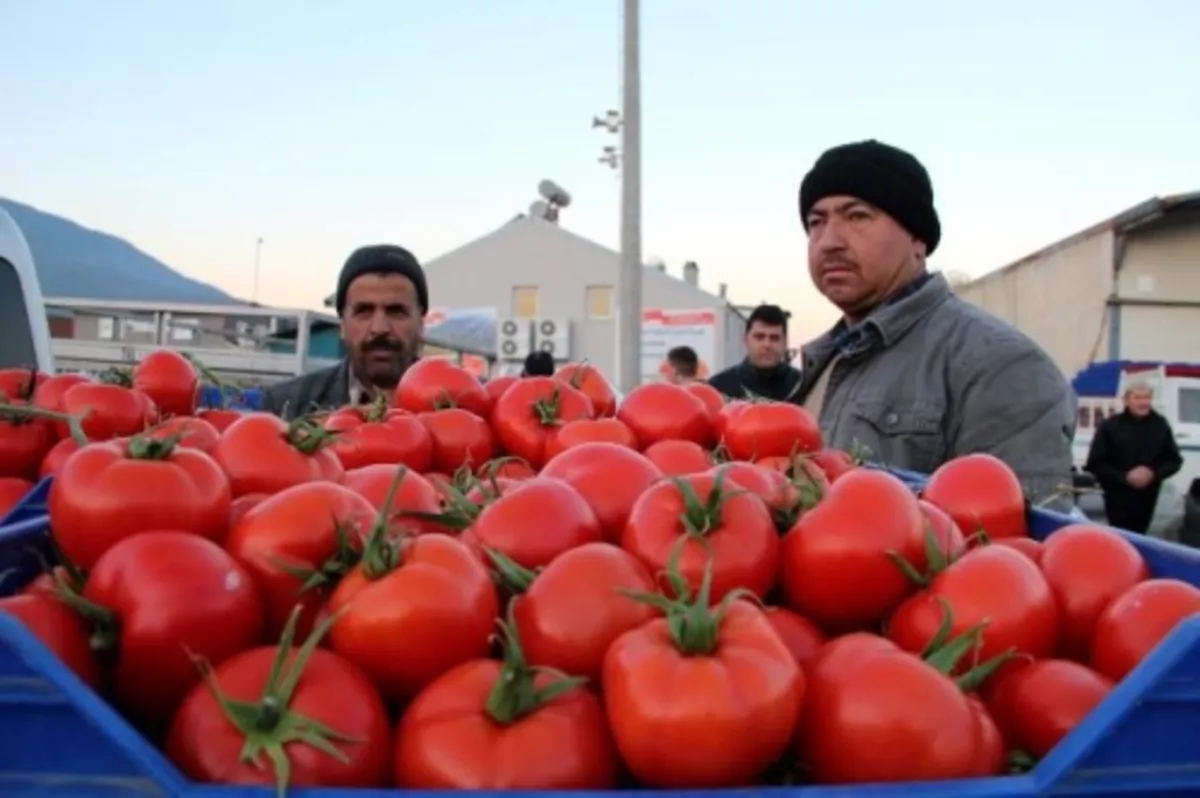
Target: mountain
[73,261]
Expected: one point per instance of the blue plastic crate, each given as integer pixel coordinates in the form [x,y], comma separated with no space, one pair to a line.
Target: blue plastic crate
[61,739]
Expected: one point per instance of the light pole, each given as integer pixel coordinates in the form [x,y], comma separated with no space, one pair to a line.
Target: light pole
[257,265]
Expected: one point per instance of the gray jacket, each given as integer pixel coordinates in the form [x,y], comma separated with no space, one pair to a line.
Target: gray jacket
[324,389]
[937,377]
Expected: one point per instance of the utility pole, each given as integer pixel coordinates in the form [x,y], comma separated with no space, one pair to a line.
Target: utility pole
[629,282]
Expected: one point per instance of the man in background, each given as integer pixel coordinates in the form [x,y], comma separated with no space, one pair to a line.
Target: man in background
[538,364]
[1132,454]
[683,366]
[381,300]
[765,372]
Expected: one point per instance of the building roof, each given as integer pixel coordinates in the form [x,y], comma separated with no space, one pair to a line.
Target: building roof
[1126,221]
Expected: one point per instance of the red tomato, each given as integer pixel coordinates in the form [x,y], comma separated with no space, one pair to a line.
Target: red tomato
[886,716]
[437,384]
[496,386]
[679,458]
[12,491]
[510,468]
[25,440]
[572,611]
[59,628]
[801,636]
[720,525]
[172,597]
[429,588]
[19,384]
[710,396]
[57,455]
[195,433]
[460,438]
[990,755]
[242,505]
[297,543]
[530,412]
[49,393]
[949,537]
[489,725]
[836,562]
[108,411]
[534,522]
[588,380]
[1137,621]
[1028,546]
[981,493]
[1040,703]
[220,417]
[771,429]
[331,701]
[725,692]
[264,454]
[107,492]
[834,462]
[1087,567]
[412,494]
[660,411]
[589,430]
[779,494]
[993,585]
[609,477]
[376,435]
[170,380]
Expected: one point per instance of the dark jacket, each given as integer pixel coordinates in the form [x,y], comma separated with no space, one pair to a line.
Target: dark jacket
[1123,442]
[325,389]
[744,381]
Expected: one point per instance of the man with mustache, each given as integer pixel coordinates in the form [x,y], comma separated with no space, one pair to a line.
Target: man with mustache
[382,299]
[911,372]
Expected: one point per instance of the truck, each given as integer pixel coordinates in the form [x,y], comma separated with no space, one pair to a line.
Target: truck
[24,330]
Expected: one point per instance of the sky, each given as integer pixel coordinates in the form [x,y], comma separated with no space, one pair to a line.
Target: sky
[194,128]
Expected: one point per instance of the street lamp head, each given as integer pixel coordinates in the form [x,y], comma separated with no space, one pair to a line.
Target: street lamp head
[554,194]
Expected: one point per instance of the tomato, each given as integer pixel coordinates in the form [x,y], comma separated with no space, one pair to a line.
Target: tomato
[297,543]
[834,462]
[801,636]
[885,716]
[12,491]
[990,753]
[242,505]
[107,492]
[530,412]
[430,588]
[510,468]
[1138,620]
[534,522]
[803,473]
[437,384]
[718,524]
[496,386]
[780,495]
[489,725]
[994,585]
[1040,703]
[460,438]
[588,430]
[771,429]
[722,689]
[981,493]
[25,440]
[679,458]
[170,597]
[331,702]
[1087,567]
[49,393]
[108,411]
[571,611]
[836,562]
[192,432]
[60,629]
[264,454]
[19,384]
[170,380]
[1028,546]
[377,435]
[609,477]
[588,380]
[220,417]
[58,454]
[949,537]
[710,396]
[660,411]
[412,494]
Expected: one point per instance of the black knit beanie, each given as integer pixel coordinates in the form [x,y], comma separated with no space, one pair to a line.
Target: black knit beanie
[382,259]
[887,177]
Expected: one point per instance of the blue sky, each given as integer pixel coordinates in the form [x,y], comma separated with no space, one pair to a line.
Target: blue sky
[193,128]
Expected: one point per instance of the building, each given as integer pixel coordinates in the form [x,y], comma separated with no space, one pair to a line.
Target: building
[548,288]
[1125,289]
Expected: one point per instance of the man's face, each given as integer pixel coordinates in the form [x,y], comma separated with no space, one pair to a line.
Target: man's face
[765,345]
[858,256]
[1139,401]
[382,325]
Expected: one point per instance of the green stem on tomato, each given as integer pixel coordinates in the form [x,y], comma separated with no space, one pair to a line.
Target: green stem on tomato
[515,693]
[20,413]
[511,574]
[307,436]
[384,549]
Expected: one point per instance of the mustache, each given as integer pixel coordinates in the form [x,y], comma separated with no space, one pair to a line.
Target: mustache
[383,345]
[837,262]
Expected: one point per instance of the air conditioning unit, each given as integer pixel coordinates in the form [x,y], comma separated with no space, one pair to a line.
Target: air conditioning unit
[514,337]
[553,336]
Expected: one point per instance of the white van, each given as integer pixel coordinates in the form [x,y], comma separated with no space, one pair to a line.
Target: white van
[24,330]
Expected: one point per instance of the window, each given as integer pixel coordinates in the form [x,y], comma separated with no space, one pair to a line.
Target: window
[16,333]
[525,301]
[599,301]
[1189,405]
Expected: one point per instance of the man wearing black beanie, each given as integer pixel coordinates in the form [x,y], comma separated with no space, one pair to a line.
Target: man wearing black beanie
[912,372]
[381,299]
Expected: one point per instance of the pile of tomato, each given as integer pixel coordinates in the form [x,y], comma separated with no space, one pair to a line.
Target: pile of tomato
[523,585]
